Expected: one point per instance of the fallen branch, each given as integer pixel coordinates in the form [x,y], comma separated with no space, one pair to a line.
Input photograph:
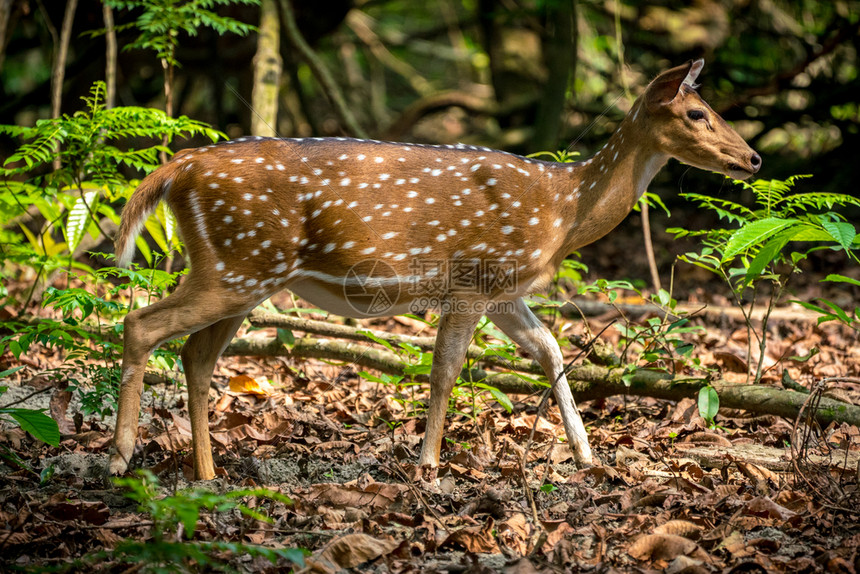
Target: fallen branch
[578,307]
[587,382]
[326,329]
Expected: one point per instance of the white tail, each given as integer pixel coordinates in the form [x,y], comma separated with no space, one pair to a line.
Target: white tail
[367,228]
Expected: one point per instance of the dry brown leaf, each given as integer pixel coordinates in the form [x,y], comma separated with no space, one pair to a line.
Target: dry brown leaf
[731,362]
[683,528]
[756,472]
[107,537]
[662,547]
[173,440]
[765,507]
[556,531]
[375,496]
[349,551]
[735,544]
[58,405]
[475,539]
[521,566]
[726,490]
[627,457]
[92,439]
[17,538]
[91,512]
[224,403]
[259,386]
[686,565]
[182,424]
[339,445]
[707,438]
[525,423]
[515,533]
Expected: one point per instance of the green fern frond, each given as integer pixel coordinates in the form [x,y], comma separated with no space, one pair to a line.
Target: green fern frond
[724,208]
[802,202]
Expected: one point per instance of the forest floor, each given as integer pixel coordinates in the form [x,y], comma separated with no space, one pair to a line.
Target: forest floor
[667,493]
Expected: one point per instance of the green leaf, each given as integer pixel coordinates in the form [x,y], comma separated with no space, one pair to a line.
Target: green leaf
[833,277]
[709,403]
[685,350]
[754,233]
[500,397]
[8,372]
[628,374]
[802,359]
[79,218]
[837,310]
[768,254]
[156,230]
[841,232]
[809,233]
[422,368]
[47,474]
[286,336]
[376,339]
[37,423]
[663,297]
[188,515]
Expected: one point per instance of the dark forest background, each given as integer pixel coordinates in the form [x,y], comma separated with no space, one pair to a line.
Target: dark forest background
[523,76]
[519,75]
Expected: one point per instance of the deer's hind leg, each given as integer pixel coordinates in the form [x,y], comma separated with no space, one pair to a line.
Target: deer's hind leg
[195,305]
[199,355]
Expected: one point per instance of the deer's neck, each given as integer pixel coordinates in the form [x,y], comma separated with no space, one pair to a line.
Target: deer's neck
[605,188]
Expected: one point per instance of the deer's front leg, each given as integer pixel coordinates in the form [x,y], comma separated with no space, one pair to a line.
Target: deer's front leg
[534,337]
[452,342]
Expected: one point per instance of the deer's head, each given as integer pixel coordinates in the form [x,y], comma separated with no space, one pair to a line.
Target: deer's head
[685,127]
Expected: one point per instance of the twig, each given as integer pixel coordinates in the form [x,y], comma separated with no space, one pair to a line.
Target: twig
[649,244]
[21,400]
[395,469]
[319,70]
[359,22]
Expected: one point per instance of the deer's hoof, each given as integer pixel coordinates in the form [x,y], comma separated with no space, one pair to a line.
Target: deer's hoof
[583,462]
[117,465]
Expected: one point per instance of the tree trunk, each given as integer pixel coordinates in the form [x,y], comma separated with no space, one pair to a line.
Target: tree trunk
[5,15]
[58,72]
[168,67]
[267,72]
[560,59]
[110,57]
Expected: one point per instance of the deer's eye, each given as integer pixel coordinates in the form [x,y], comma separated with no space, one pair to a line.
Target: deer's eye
[696,115]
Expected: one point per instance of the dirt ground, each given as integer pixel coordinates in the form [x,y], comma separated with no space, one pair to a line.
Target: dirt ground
[667,494]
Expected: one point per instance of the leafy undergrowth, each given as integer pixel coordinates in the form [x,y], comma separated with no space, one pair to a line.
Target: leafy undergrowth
[667,492]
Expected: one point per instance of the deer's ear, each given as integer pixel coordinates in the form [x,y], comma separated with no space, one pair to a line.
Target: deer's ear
[666,86]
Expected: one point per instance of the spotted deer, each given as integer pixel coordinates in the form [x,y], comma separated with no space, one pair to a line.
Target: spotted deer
[369,228]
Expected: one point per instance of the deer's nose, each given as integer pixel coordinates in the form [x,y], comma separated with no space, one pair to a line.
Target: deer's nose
[755,162]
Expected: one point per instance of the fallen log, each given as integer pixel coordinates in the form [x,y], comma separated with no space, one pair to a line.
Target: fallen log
[588,382]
